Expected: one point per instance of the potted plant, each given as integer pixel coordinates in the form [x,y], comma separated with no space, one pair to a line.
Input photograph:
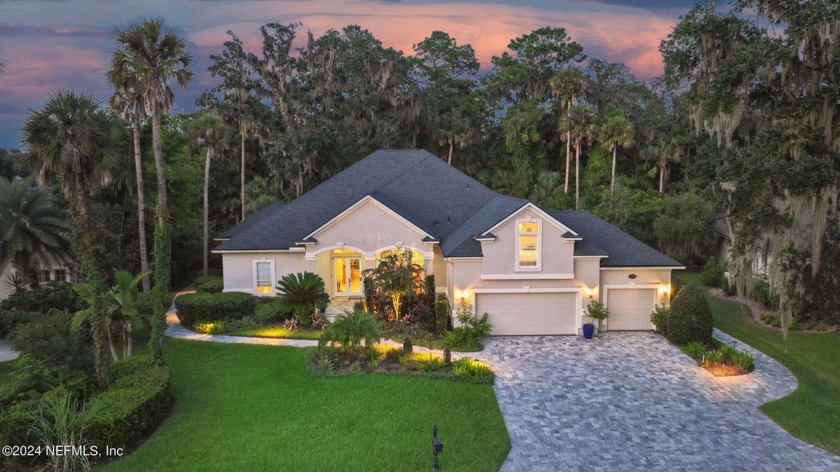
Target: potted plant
[597,311]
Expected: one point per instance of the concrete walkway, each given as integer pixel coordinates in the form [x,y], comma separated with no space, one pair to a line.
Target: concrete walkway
[633,401]
[6,352]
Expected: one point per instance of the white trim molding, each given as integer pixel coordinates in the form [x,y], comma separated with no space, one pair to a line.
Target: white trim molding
[646,268]
[524,275]
[273,279]
[362,201]
[536,209]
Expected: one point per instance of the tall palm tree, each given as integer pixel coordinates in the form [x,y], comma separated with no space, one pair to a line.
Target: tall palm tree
[156,55]
[207,132]
[578,126]
[616,131]
[128,101]
[31,228]
[663,152]
[73,142]
[568,85]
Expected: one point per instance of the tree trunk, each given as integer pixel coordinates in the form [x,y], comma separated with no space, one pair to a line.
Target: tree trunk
[163,216]
[141,205]
[577,174]
[111,345]
[661,179]
[242,169]
[612,179]
[128,340]
[451,146]
[568,158]
[205,255]
[83,248]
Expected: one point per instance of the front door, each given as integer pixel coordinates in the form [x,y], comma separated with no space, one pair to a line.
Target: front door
[348,276]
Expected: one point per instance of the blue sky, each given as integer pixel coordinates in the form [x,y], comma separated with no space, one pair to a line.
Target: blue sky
[65,44]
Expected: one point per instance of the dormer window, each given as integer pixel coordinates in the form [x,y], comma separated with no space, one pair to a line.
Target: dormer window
[528,244]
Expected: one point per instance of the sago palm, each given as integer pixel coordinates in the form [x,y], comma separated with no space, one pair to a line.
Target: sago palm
[32,230]
[300,294]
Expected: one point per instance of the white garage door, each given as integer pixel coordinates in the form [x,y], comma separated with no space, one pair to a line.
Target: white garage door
[529,313]
[630,309]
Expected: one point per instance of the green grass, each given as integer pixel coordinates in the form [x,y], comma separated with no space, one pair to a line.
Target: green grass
[812,412]
[277,331]
[245,407]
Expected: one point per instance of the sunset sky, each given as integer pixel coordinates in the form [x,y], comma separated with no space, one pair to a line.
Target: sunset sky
[65,44]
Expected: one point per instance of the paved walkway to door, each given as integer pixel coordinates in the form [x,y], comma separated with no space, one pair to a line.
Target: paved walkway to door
[631,401]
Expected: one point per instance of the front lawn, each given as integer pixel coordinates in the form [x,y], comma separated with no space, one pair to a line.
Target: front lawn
[277,331]
[812,412]
[245,407]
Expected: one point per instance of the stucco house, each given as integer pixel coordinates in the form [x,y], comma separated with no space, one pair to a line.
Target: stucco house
[533,270]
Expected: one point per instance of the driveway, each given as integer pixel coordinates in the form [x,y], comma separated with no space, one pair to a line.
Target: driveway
[632,401]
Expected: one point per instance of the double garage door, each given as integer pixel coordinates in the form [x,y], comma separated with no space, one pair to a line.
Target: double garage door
[516,314]
[630,308]
[529,313]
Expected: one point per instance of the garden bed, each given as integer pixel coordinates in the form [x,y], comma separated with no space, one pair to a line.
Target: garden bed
[278,332]
[721,360]
[383,359]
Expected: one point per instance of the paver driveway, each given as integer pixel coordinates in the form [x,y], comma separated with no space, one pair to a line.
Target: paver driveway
[631,401]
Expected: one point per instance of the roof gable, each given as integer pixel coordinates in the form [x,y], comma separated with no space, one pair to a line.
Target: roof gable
[371,200]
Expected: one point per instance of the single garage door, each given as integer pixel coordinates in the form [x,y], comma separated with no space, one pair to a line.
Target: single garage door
[529,313]
[630,309]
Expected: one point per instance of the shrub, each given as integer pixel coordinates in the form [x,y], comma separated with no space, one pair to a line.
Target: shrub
[713,357]
[431,363]
[197,307]
[268,311]
[743,360]
[55,296]
[659,318]
[300,294]
[9,320]
[470,333]
[203,279]
[596,310]
[49,339]
[407,347]
[712,275]
[694,349]
[690,318]
[466,367]
[137,401]
[350,329]
[442,316]
[211,286]
[212,327]
[728,288]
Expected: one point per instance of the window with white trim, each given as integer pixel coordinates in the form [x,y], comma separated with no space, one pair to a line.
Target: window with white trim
[264,277]
[60,275]
[43,276]
[528,244]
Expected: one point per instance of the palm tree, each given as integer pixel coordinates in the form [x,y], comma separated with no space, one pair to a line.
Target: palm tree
[207,131]
[578,126]
[124,307]
[31,228]
[568,85]
[128,101]
[300,294]
[663,152]
[73,142]
[156,55]
[616,131]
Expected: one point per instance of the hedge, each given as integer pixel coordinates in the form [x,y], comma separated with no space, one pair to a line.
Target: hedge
[211,286]
[137,401]
[691,317]
[197,307]
[203,279]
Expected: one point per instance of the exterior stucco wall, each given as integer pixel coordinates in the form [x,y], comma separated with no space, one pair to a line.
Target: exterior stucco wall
[368,229]
[501,256]
[645,278]
[238,268]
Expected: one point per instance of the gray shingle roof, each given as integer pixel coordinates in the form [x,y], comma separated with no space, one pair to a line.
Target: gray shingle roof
[414,183]
[599,236]
[251,220]
[437,198]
